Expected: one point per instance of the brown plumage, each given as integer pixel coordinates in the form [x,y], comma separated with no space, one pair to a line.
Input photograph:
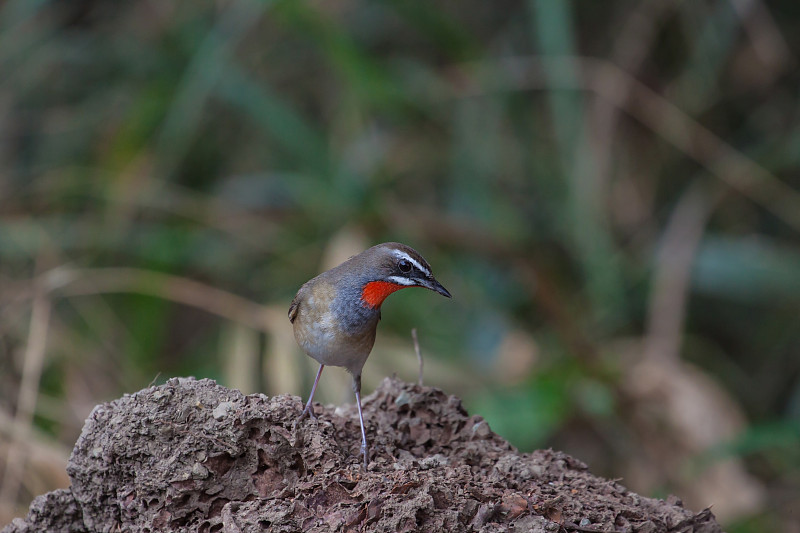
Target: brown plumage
[335,315]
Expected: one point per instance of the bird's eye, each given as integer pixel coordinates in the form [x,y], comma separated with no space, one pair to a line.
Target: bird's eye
[404,266]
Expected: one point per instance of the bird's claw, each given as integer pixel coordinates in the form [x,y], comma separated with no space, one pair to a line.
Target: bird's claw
[307,412]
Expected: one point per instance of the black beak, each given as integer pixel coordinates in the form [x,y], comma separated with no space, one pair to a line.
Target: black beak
[434,285]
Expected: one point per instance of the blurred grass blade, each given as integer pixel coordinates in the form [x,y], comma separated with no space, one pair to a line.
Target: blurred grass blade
[719,27]
[202,73]
[585,221]
[285,126]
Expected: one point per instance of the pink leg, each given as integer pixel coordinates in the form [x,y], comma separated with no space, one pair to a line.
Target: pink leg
[357,389]
[310,410]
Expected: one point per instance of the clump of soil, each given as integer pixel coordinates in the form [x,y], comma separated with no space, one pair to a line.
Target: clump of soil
[194,456]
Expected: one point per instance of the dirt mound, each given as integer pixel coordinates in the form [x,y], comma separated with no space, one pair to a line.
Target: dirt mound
[194,456]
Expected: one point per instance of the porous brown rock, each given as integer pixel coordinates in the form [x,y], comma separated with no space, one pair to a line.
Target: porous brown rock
[191,455]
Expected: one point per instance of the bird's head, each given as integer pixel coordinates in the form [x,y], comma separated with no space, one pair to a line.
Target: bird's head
[394,266]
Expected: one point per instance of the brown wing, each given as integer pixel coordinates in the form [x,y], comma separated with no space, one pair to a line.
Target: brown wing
[294,307]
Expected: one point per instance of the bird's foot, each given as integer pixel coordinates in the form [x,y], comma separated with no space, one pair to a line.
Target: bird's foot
[365,454]
[307,412]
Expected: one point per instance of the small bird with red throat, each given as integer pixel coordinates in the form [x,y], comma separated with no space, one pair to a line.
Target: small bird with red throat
[335,315]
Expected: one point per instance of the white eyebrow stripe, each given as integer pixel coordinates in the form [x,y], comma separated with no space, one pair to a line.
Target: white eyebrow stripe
[402,255]
[400,281]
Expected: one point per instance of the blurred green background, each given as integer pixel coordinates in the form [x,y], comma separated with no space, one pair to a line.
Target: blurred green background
[609,190]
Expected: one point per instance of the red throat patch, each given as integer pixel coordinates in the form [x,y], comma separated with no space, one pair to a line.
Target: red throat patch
[375,292]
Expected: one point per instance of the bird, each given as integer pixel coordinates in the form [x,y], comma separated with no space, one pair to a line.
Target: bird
[335,315]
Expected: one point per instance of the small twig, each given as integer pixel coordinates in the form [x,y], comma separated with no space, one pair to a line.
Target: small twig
[419,354]
[154,379]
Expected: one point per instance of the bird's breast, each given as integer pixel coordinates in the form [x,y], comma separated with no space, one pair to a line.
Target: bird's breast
[334,328]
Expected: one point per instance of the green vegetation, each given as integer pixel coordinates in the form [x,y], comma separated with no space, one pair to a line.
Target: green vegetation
[610,190]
